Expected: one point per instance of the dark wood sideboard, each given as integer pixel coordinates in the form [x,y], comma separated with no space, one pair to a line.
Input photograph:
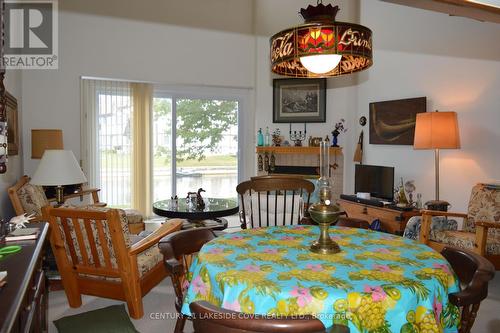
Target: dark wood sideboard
[391,220]
[24,299]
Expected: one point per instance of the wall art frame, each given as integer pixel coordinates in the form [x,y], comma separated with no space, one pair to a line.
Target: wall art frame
[299,100]
[12,124]
[393,122]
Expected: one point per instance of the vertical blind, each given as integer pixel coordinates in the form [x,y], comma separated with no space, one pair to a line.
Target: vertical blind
[106,143]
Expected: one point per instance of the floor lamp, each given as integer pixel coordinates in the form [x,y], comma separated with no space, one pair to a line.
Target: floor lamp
[436,130]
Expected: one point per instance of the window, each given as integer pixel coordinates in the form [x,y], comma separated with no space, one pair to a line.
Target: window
[194,142]
[205,145]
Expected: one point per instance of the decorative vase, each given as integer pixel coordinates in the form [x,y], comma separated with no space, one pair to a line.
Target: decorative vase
[335,135]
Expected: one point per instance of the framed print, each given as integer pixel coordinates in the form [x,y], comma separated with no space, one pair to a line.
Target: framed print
[299,100]
[12,125]
[393,122]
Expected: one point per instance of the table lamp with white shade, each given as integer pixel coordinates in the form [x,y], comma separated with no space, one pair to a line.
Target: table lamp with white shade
[58,168]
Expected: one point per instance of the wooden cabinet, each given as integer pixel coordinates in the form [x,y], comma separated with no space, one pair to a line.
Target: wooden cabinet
[391,220]
[24,299]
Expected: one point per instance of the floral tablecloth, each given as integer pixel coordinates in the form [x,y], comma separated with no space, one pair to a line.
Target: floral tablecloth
[378,283]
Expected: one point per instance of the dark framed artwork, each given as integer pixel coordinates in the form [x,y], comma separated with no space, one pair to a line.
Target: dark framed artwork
[299,100]
[12,125]
[393,122]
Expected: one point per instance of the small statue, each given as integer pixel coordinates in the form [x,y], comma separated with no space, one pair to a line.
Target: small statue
[20,220]
[200,203]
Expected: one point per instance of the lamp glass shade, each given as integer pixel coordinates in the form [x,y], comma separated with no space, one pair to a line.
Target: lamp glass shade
[58,167]
[42,139]
[321,63]
[436,130]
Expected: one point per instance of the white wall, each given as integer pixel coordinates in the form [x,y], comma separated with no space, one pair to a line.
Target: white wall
[93,45]
[418,53]
[15,163]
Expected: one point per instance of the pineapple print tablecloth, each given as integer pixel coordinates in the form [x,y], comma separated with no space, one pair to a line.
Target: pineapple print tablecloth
[378,283]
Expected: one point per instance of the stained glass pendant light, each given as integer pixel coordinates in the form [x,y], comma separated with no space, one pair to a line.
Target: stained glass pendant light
[321,46]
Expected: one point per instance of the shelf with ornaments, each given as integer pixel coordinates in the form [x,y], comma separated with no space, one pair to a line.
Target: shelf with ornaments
[294,150]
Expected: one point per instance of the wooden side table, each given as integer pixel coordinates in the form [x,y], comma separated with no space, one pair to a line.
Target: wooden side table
[391,220]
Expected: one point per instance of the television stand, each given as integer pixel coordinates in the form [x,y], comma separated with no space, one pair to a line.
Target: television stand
[391,220]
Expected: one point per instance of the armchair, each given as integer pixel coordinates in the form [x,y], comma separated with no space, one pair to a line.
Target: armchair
[481,228]
[95,255]
[28,198]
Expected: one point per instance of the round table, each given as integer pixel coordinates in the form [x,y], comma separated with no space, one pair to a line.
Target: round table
[378,282]
[210,216]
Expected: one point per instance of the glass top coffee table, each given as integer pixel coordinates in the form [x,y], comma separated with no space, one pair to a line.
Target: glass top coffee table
[211,216]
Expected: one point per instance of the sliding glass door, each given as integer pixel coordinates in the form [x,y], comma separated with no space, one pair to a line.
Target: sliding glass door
[202,134]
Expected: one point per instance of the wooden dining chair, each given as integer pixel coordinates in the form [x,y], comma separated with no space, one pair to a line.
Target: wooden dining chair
[474,272]
[178,250]
[95,255]
[208,318]
[271,201]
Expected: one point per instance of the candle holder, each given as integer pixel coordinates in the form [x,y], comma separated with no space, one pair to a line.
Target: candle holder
[297,138]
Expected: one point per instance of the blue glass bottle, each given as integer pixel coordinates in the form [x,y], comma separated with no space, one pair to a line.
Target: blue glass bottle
[260,138]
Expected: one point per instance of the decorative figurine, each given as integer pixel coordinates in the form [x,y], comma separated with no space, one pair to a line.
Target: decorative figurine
[277,137]
[409,189]
[260,163]
[200,203]
[266,162]
[272,164]
[20,220]
[402,201]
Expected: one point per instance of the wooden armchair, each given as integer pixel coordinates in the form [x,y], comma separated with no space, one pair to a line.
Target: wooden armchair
[95,256]
[270,201]
[474,272]
[481,228]
[28,198]
[178,250]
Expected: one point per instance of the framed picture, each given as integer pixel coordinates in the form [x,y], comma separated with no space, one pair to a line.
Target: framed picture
[393,122]
[299,100]
[12,126]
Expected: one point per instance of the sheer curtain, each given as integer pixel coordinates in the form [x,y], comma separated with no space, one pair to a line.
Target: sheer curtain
[115,118]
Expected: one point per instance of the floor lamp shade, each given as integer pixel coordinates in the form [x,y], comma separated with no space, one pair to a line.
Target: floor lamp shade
[58,167]
[436,130]
[42,139]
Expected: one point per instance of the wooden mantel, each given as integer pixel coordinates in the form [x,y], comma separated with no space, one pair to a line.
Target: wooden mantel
[295,150]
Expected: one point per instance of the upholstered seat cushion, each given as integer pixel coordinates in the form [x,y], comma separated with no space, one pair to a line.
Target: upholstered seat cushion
[463,239]
[32,199]
[439,223]
[133,216]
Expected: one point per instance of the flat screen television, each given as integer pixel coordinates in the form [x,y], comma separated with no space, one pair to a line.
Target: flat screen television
[376,180]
